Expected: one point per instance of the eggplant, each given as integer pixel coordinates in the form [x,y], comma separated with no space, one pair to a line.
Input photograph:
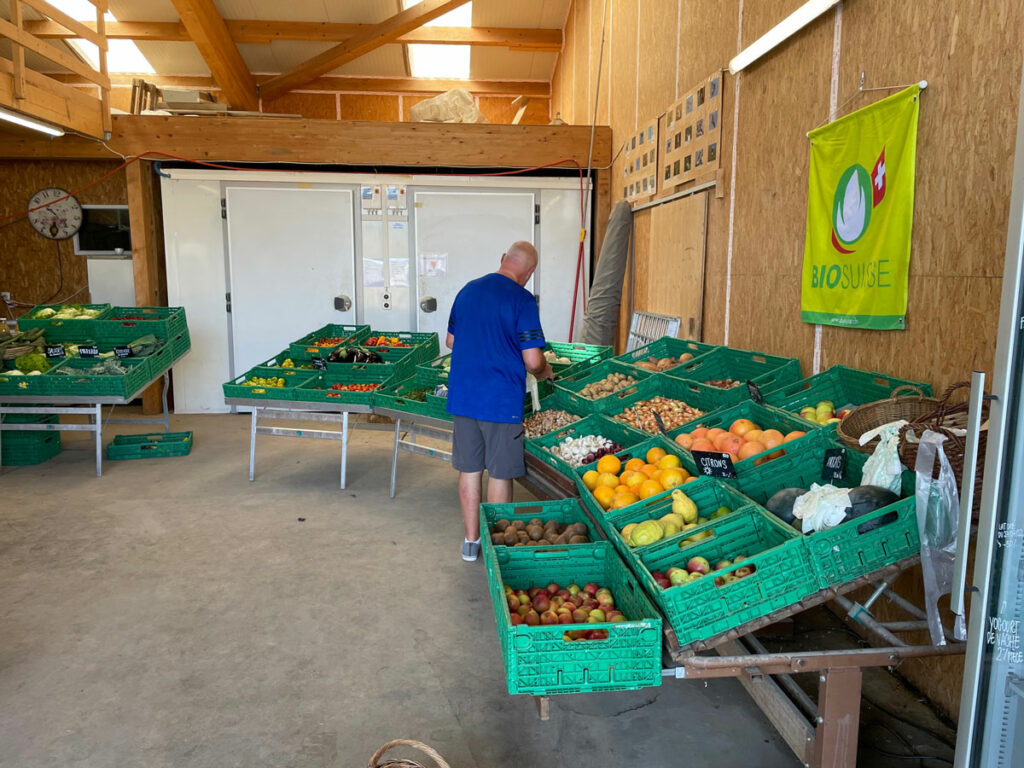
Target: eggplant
[865,499]
[781,503]
[373,357]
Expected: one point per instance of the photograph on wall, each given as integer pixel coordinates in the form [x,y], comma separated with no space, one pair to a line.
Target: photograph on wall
[697,138]
[641,161]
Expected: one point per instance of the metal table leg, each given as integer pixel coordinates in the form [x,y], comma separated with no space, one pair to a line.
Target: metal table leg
[98,427]
[835,743]
[394,456]
[252,446]
[344,447]
[167,417]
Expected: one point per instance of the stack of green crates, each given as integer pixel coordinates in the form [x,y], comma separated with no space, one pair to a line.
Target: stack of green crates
[26,448]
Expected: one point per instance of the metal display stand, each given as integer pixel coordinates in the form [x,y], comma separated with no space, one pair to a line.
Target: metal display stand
[90,406]
[301,411]
[417,426]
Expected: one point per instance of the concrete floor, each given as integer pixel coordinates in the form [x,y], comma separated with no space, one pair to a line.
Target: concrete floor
[173,614]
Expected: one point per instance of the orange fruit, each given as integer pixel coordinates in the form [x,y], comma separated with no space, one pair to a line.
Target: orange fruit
[656,475]
[740,427]
[714,434]
[730,443]
[752,435]
[648,488]
[612,465]
[771,438]
[635,479]
[622,489]
[634,464]
[699,432]
[624,499]
[668,461]
[689,479]
[590,479]
[671,478]
[702,445]
[684,440]
[648,470]
[793,435]
[751,449]
[654,455]
[607,479]
[626,475]
[721,438]
[604,496]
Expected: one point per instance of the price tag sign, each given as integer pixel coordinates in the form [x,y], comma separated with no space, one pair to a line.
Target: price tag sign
[88,351]
[833,467]
[755,393]
[122,352]
[714,464]
[55,350]
[321,365]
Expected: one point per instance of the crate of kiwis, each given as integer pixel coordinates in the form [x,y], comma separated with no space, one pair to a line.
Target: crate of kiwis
[536,523]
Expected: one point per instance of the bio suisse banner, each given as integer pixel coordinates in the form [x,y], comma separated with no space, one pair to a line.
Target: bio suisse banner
[860,210]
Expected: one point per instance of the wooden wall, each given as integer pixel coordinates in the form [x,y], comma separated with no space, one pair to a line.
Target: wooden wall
[29,265]
[655,49]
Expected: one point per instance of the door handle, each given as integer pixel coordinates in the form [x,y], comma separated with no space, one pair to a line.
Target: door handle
[428,304]
[342,303]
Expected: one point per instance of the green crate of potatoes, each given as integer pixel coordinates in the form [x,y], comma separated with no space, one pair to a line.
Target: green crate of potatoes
[566,442]
[570,358]
[262,383]
[323,340]
[675,401]
[665,353]
[413,395]
[853,548]
[557,519]
[355,385]
[596,388]
[748,570]
[112,377]
[780,431]
[64,322]
[154,445]
[722,373]
[620,654]
[838,389]
[124,324]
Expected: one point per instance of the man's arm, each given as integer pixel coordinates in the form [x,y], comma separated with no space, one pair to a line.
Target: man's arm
[536,363]
[449,341]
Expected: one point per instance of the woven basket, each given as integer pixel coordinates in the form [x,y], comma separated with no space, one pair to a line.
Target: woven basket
[944,418]
[375,761]
[870,415]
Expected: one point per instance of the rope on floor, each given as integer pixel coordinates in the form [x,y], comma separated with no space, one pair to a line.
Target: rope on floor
[403,762]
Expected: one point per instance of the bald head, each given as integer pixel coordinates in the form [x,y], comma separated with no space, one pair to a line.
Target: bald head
[519,261]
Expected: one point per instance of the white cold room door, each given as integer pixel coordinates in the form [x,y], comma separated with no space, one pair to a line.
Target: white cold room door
[291,253]
[460,236]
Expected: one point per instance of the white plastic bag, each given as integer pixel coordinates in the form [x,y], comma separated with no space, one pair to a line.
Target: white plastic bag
[824,506]
[938,513]
[456,106]
[883,468]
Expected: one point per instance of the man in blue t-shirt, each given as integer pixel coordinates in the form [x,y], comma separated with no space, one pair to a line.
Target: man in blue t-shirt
[495,336]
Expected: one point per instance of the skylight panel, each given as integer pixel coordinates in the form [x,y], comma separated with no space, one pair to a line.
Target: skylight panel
[122,55]
[442,61]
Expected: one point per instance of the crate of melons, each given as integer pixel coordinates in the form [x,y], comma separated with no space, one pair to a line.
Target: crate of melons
[560,522]
[722,374]
[582,442]
[590,390]
[665,353]
[750,567]
[880,527]
[261,383]
[751,434]
[572,620]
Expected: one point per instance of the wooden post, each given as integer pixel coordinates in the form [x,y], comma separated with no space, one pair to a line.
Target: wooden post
[17,53]
[144,255]
[835,742]
[101,10]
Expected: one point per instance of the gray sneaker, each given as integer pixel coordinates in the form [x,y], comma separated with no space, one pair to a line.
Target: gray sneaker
[470,550]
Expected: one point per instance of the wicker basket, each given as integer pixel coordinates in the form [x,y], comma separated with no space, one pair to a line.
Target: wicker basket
[944,418]
[376,762]
[871,415]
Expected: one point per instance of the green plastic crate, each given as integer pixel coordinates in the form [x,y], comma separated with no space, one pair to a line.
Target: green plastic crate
[395,396]
[23,449]
[665,386]
[63,330]
[764,416]
[293,378]
[285,354]
[436,366]
[594,424]
[15,384]
[154,445]
[317,389]
[84,384]
[849,550]
[425,347]
[666,346]
[180,344]
[414,339]
[559,510]
[581,356]
[767,372]
[572,385]
[303,349]
[119,325]
[701,609]
[843,386]
[399,361]
[538,660]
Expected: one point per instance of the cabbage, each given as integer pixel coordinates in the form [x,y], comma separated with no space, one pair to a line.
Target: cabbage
[44,313]
[32,361]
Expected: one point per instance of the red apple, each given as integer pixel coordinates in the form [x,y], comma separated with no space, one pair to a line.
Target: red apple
[513,603]
[579,615]
[515,619]
[522,610]
[597,634]
[597,614]
[565,594]
[533,591]
[617,618]
[742,571]
[549,617]
[523,598]
[531,618]
[541,602]
[591,588]
[557,602]
[564,618]
[657,575]
[573,589]
[698,565]
[553,588]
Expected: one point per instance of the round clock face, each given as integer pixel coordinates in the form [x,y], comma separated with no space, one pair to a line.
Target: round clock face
[56,218]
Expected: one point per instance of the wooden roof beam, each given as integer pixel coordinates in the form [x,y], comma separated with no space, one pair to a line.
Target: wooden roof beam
[264,32]
[208,31]
[371,38]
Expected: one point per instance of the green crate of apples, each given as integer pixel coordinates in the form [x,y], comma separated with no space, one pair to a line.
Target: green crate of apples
[572,620]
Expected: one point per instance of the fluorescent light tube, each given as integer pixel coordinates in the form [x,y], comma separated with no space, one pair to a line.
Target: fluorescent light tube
[782,31]
[28,122]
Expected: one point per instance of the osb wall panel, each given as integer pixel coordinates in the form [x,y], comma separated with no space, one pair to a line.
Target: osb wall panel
[600,16]
[572,48]
[409,100]
[583,106]
[656,77]
[368,107]
[499,109]
[313,105]
[34,269]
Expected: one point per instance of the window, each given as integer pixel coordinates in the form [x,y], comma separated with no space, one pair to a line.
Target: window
[104,231]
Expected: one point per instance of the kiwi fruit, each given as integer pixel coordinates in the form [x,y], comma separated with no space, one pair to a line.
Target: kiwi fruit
[497,538]
[537,521]
[579,540]
[523,536]
[544,542]
[519,525]
[502,524]
[533,543]
[510,537]
[579,529]
[535,532]
[519,544]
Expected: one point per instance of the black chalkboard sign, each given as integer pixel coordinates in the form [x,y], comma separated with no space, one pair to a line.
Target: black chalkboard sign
[55,350]
[320,364]
[833,467]
[90,350]
[714,464]
[755,392]
[122,352]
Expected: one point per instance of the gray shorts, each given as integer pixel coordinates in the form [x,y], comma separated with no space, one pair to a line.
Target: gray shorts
[490,445]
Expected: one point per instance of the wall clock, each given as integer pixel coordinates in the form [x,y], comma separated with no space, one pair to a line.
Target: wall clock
[56,218]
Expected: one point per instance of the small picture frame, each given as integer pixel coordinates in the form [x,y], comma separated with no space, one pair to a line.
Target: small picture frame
[713,87]
[650,133]
[645,160]
[688,135]
[679,111]
[675,168]
[634,143]
[698,158]
[712,152]
[625,191]
[668,145]
[700,128]
[679,140]
[713,121]
[654,182]
[700,96]
[689,104]
[686,164]
[668,172]
[645,183]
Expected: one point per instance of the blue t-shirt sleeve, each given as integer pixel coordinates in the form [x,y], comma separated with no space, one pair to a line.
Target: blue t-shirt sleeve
[531,335]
